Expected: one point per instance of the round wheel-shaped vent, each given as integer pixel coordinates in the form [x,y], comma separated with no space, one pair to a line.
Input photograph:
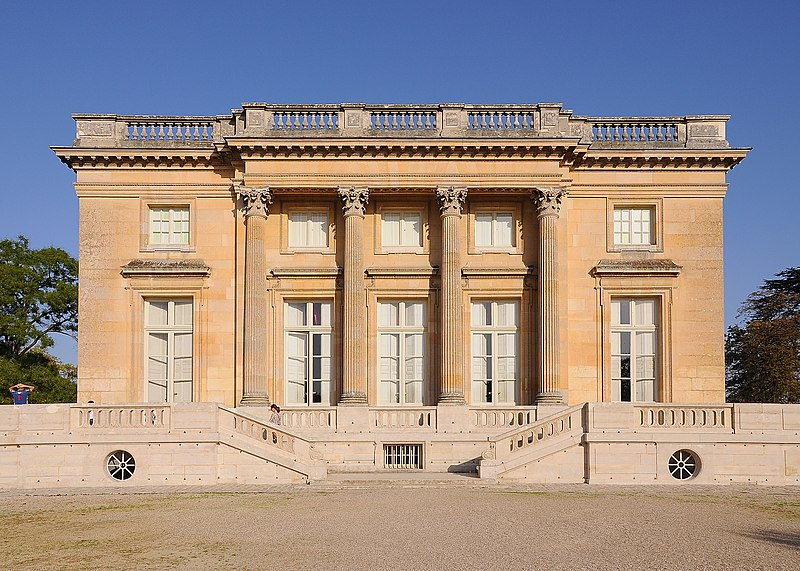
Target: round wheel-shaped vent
[683,465]
[120,465]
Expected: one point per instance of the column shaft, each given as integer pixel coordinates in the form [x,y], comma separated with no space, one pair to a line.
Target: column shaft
[452,324]
[256,203]
[354,367]
[548,201]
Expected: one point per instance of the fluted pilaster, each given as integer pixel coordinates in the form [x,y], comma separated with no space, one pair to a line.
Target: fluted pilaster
[255,203]
[548,206]
[451,390]
[354,370]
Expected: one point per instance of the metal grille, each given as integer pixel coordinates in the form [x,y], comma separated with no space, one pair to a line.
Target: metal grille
[402,456]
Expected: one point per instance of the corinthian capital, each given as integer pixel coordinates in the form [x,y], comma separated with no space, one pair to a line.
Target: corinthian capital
[256,200]
[451,199]
[548,199]
[354,200]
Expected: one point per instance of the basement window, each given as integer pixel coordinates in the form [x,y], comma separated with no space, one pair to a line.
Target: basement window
[402,456]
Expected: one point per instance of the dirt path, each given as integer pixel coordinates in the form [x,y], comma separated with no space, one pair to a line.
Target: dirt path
[384,526]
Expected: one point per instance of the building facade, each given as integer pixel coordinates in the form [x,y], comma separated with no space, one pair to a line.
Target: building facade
[324,256]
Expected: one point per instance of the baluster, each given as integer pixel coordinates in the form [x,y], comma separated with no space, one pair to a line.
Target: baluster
[659,132]
[304,118]
[133,131]
[160,132]
[394,120]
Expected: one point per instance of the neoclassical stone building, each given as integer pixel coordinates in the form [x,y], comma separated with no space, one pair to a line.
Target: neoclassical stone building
[401,256]
[410,283]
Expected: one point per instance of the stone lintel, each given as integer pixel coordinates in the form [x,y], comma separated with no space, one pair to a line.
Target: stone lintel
[637,267]
[165,268]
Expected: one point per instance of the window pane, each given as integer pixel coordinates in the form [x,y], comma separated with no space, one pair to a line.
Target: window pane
[645,312]
[414,314]
[183,313]
[506,314]
[183,344]
[410,229]
[295,314]
[157,312]
[645,390]
[389,314]
[503,229]
[319,229]
[620,312]
[297,228]
[157,391]
[391,229]
[183,369]
[481,313]
[483,229]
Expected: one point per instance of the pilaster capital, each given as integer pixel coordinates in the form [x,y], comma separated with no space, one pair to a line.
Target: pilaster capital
[354,200]
[548,199]
[255,200]
[451,199]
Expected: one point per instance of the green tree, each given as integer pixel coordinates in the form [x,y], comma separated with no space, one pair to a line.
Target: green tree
[763,353]
[38,299]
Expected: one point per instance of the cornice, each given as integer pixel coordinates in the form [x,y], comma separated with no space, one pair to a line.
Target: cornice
[402,272]
[678,158]
[305,272]
[564,149]
[77,158]
[497,272]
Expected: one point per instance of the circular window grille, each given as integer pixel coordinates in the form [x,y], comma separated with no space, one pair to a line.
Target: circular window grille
[683,465]
[121,465]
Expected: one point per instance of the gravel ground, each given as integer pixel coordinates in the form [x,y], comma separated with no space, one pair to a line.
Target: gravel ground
[396,525]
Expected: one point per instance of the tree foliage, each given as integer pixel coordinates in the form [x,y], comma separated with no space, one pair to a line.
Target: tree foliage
[38,298]
[763,354]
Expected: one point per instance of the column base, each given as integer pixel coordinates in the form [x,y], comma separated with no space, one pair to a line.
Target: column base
[353,398]
[552,397]
[255,400]
[455,398]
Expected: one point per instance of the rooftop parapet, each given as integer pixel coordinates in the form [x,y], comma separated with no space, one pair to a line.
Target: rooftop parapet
[358,120]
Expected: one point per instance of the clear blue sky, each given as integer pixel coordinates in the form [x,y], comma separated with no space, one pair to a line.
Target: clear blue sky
[598,58]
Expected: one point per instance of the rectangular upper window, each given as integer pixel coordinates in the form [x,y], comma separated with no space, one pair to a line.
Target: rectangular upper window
[401,229]
[308,229]
[633,227]
[169,226]
[494,230]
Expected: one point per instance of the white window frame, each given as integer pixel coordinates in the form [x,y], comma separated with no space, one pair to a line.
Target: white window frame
[490,390]
[169,331]
[314,382]
[303,238]
[633,226]
[404,240]
[494,242]
[178,221]
[614,227]
[403,331]
[641,387]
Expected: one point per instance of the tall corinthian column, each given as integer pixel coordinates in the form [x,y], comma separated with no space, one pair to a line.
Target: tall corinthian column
[255,203]
[548,205]
[354,371]
[451,390]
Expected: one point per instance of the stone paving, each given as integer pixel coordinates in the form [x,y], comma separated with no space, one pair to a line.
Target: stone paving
[432,522]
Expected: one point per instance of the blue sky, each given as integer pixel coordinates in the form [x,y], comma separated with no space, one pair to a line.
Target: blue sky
[597,58]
